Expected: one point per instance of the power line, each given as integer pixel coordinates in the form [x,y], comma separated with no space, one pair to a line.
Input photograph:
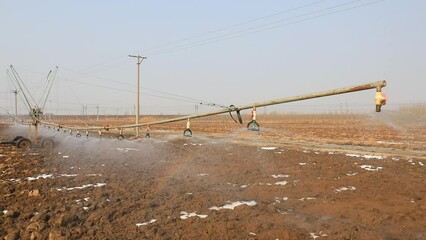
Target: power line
[265,27]
[199,101]
[235,25]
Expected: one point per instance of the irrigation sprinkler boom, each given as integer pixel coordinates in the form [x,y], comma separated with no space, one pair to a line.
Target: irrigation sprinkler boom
[35,108]
[375,85]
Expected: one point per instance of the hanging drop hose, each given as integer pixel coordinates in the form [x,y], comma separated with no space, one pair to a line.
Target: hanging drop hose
[232,108]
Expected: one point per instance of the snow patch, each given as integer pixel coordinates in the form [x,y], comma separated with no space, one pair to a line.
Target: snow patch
[93,175]
[280,176]
[5,212]
[371,168]
[146,223]
[126,149]
[351,174]
[44,176]
[307,198]
[82,187]
[68,175]
[13,180]
[365,156]
[282,183]
[232,205]
[320,234]
[186,215]
[302,164]
[269,148]
[348,188]
[201,174]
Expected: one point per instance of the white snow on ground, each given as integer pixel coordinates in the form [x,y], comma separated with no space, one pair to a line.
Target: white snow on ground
[195,144]
[68,175]
[252,233]
[126,149]
[351,174]
[268,148]
[82,187]
[146,223]
[302,164]
[394,143]
[280,176]
[94,175]
[371,168]
[44,176]
[232,205]
[201,174]
[65,156]
[278,200]
[13,180]
[421,164]
[282,183]
[365,156]
[320,234]
[186,215]
[307,198]
[348,188]
[85,199]
[5,212]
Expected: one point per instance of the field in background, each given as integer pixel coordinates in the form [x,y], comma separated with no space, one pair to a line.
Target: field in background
[405,129]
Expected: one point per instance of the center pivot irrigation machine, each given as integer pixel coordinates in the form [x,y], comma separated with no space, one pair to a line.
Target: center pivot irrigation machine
[36,112]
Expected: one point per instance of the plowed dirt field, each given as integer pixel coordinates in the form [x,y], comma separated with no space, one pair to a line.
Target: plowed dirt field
[300,177]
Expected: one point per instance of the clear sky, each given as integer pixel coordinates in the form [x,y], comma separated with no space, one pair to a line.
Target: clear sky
[225,52]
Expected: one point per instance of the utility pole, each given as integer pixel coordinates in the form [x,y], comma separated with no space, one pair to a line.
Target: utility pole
[139,61]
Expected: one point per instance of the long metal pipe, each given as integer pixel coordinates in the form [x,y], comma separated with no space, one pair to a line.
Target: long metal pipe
[379,84]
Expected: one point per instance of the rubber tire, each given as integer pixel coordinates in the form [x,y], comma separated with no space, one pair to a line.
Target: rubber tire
[17,138]
[78,135]
[47,143]
[23,143]
[253,126]
[120,137]
[187,133]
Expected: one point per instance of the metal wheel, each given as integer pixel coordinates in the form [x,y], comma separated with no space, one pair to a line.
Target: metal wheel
[23,143]
[47,143]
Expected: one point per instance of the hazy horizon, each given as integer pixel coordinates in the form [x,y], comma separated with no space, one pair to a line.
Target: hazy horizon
[218,52]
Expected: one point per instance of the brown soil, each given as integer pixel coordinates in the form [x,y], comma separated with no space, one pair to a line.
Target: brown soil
[300,177]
